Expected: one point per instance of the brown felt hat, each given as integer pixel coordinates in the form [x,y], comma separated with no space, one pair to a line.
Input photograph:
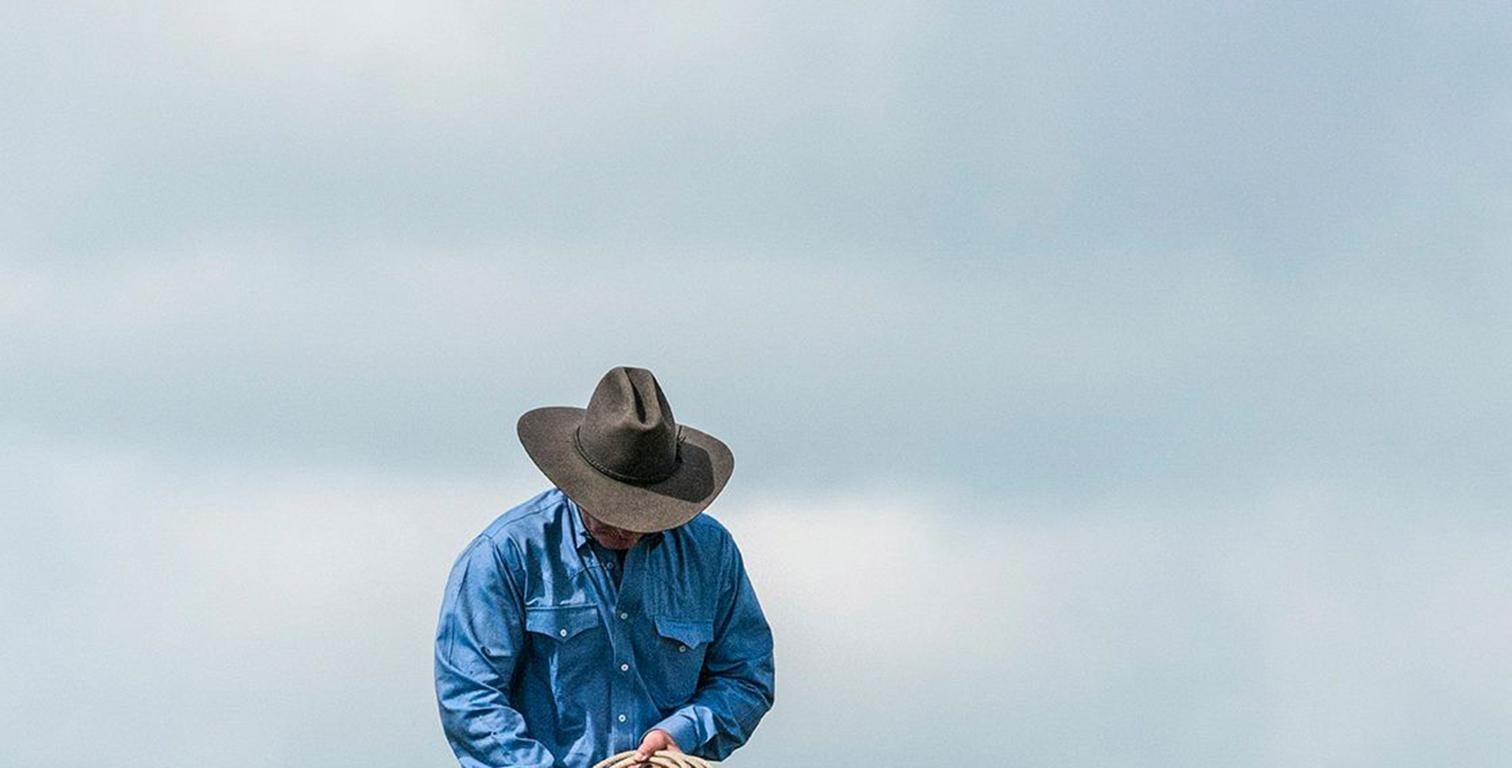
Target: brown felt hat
[624,458]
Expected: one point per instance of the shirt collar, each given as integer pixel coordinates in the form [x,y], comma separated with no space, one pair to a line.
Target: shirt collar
[579,531]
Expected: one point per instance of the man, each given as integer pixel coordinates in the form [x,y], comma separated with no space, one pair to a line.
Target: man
[606,613]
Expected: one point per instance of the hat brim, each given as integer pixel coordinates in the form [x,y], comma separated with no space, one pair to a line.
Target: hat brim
[706,466]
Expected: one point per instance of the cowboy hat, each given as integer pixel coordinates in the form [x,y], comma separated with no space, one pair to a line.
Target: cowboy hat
[624,458]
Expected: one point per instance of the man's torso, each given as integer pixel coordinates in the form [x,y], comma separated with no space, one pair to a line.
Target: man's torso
[605,656]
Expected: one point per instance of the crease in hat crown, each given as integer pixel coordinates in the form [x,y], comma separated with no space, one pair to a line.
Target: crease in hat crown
[628,431]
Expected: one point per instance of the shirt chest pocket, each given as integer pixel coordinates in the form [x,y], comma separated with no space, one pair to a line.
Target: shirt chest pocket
[681,645]
[561,622]
[565,638]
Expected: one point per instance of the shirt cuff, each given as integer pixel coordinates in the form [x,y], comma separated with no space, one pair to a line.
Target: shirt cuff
[683,729]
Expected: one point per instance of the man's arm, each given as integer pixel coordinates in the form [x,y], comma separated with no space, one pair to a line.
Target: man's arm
[479,640]
[738,683]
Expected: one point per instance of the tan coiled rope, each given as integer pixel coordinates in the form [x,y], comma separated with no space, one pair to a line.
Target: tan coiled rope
[663,759]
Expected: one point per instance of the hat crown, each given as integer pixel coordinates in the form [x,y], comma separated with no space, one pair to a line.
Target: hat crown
[628,431]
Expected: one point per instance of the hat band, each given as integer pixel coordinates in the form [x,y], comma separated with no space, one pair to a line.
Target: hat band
[577,442]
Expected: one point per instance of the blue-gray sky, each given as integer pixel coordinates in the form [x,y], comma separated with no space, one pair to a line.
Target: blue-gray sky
[1108,386]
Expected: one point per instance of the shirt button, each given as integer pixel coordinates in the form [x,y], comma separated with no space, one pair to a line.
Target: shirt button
[624,667]
[624,615]
[622,718]
[682,649]
[562,632]
[608,565]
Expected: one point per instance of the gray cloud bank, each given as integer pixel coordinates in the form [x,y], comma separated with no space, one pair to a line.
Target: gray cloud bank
[1172,243]
[1028,377]
[192,618]
[1134,382]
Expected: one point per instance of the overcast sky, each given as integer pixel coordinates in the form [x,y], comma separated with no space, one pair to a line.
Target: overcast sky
[1108,386]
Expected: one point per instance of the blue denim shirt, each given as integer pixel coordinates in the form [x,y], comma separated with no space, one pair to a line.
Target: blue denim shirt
[541,660]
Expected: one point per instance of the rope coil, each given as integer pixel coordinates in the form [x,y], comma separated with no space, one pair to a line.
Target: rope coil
[666,758]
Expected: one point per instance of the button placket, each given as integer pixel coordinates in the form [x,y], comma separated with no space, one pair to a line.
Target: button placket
[623,698]
[620,694]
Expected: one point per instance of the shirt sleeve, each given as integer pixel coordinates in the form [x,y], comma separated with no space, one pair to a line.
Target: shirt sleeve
[738,682]
[479,639]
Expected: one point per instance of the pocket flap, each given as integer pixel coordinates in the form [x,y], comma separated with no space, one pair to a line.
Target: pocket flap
[561,621]
[689,632]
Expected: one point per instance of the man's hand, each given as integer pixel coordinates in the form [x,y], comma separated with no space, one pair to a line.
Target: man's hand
[655,741]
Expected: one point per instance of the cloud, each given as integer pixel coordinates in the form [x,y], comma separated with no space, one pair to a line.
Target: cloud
[1053,251]
[248,619]
[1129,636]
[965,132]
[1179,331]
[1172,375]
